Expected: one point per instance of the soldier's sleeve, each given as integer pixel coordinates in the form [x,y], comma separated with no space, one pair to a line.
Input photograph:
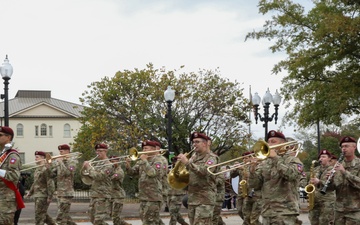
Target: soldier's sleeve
[133,170]
[50,185]
[102,172]
[290,169]
[118,174]
[154,170]
[201,169]
[353,179]
[256,180]
[13,168]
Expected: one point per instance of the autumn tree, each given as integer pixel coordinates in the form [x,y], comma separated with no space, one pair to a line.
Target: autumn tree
[323,57]
[129,107]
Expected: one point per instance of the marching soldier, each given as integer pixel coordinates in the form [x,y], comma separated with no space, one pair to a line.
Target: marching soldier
[150,170]
[64,170]
[42,190]
[323,211]
[101,187]
[10,165]
[164,183]
[202,185]
[220,196]
[346,183]
[277,176]
[118,193]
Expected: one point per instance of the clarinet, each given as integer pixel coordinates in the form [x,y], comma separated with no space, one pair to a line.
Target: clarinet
[323,190]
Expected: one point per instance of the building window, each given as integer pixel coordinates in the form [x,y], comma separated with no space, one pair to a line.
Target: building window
[43,130]
[67,131]
[20,130]
[22,157]
[36,131]
[50,131]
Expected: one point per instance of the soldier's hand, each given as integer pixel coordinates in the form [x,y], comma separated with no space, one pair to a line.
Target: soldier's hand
[144,157]
[86,164]
[340,167]
[314,180]
[182,158]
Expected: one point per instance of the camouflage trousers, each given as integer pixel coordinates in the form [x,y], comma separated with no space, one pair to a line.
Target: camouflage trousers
[63,213]
[251,211]
[41,215]
[200,214]
[281,220]
[216,219]
[174,209]
[116,209]
[347,218]
[7,211]
[239,206]
[150,212]
[322,213]
[99,209]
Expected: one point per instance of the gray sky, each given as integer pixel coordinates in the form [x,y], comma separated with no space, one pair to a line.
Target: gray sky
[65,45]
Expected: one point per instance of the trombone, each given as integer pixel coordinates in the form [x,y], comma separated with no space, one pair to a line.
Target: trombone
[261,151]
[49,159]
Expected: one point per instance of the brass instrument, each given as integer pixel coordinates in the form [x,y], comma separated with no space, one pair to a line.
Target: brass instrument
[261,151]
[134,154]
[85,178]
[341,158]
[178,177]
[48,160]
[310,188]
[244,188]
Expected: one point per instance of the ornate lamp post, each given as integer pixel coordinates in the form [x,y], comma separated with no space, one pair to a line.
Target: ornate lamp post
[266,101]
[6,71]
[169,96]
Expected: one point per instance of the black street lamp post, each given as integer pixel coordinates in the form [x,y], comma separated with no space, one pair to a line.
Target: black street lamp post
[266,101]
[6,71]
[169,96]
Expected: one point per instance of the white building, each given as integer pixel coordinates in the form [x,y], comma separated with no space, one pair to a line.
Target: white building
[41,123]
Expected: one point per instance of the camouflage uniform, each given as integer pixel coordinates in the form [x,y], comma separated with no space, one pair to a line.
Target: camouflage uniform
[240,199]
[118,195]
[100,192]
[201,188]
[220,194]
[164,183]
[42,190]
[252,202]
[64,171]
[277,178]
[175,198]
[346,186]
[150,188]
[323,211]
[11,163]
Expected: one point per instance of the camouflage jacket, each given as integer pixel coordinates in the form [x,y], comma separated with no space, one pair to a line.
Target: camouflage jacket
[43,185]
[321,174]
[278,179]
[347,187]
[64,171]
[220,188]
[101,186]
[150,174]
[164,182]
[117,179]
[11,163]
[202,185]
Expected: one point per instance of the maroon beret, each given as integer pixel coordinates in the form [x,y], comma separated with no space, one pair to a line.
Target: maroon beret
[157,143]
[199,135]
[274,133]
[64,147]
[246,153]
[333,156]
[347,139]
[40,153]
[325,152]
[148,143]
[7,130]
[101,146]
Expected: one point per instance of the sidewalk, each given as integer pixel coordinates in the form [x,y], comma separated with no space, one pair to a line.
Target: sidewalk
[130,213]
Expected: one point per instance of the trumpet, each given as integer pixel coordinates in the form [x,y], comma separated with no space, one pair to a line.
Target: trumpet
[48,160]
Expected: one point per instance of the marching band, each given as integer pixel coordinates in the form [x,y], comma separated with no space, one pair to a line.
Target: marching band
[269,177]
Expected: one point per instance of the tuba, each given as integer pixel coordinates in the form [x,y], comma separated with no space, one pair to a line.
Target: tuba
[178,177]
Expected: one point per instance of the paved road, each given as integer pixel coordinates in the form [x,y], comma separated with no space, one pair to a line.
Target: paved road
[130,213]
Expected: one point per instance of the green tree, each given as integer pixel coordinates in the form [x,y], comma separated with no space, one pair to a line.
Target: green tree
[323,57]
[129,107]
